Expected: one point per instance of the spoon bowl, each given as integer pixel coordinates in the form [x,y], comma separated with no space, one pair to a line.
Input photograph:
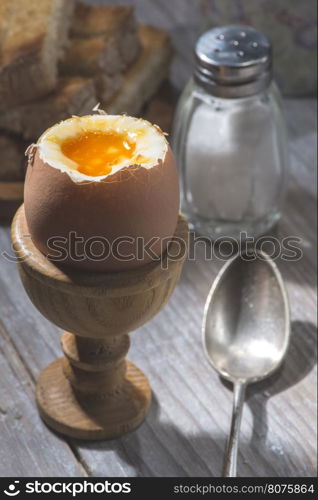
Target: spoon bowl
[246,327]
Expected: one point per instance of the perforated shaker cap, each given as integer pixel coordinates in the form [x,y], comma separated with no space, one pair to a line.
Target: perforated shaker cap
[233,61]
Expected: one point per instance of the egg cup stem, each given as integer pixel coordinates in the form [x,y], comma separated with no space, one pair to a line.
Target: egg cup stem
[93,392]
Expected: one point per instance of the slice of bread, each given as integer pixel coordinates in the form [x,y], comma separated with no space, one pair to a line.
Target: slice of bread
[146,74]
[93,20]
[32,36]
[89,56]
[104,44]
[73,96]
[13,161]
[109,22]
[107,86]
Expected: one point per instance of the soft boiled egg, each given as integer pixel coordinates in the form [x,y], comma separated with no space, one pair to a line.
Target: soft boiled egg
[101,193]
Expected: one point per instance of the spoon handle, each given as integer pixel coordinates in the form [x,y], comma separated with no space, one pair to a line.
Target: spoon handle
[230,462]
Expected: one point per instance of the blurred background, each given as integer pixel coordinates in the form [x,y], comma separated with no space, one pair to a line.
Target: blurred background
[291,26]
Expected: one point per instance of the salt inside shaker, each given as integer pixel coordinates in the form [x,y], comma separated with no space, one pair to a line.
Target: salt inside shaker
[229,136]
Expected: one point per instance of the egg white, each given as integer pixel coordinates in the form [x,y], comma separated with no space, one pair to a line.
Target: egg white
[151,144]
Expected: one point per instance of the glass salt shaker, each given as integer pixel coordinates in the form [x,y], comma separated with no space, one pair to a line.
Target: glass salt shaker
[229,136]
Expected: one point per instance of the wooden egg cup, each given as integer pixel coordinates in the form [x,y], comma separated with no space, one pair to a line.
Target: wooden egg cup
[93,392]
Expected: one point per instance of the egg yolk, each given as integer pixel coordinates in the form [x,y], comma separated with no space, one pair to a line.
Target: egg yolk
[97,152]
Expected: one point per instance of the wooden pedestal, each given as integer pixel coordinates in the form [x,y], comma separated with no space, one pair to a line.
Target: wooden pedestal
[93,392]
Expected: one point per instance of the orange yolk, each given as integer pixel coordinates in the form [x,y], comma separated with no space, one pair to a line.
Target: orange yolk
[97,152]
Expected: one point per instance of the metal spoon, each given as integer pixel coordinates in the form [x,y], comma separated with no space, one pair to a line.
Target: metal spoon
[246,329]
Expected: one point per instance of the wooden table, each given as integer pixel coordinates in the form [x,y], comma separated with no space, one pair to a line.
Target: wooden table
[186,430]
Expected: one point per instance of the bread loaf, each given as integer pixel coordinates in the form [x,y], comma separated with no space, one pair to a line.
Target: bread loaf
[89,56]
[109,22]
[93,20]
[104,43]
[32,36]
[146,75]
[73,96]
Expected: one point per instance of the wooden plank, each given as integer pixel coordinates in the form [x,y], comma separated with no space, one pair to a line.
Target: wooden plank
[186,431]
[27,447]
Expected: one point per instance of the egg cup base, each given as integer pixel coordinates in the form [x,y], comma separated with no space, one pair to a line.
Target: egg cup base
[92,416]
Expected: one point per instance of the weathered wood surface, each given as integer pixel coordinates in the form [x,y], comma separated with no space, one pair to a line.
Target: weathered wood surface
[26,447]
[186,430]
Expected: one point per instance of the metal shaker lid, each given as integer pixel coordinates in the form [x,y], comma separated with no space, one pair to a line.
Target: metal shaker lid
[233,61]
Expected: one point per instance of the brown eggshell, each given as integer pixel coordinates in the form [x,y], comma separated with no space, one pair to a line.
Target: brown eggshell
[134,202]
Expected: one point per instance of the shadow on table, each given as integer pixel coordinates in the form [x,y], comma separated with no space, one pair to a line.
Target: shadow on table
[162,449]
[300,359]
